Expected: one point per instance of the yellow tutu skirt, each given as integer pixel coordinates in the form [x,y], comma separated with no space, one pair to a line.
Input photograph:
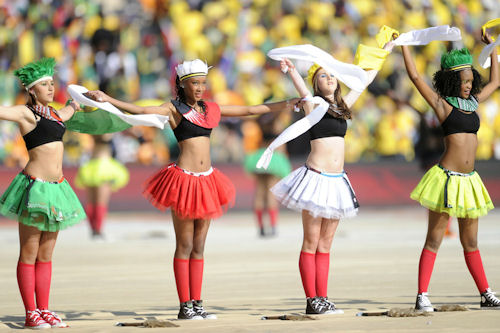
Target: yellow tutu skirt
[454,193]
[100,171]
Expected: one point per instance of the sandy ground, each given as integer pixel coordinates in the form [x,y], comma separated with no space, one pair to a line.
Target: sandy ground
[373,267]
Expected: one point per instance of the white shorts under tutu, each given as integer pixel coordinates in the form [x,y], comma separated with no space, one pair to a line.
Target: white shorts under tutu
[329,195]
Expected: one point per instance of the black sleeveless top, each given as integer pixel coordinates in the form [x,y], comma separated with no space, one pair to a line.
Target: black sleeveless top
[328,126]
[46,131]
[195,124]
[460,122]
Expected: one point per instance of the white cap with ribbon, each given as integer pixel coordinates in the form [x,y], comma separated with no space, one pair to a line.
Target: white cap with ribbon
[192,68]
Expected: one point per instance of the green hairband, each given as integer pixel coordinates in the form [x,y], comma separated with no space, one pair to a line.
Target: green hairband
[36,71]
[456,60]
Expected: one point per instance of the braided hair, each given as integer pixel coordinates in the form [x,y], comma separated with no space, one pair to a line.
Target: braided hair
[448,83]
[181,95]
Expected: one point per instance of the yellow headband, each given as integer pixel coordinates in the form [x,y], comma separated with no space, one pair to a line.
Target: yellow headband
[191,75]
[459,67]
[310,73]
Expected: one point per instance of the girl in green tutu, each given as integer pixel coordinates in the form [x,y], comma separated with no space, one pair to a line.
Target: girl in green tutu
[39,197]
[453,187]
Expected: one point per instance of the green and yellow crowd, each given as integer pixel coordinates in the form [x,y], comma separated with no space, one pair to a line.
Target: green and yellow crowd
[130,49]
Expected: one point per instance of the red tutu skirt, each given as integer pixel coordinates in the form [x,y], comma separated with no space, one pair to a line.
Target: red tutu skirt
[191,195]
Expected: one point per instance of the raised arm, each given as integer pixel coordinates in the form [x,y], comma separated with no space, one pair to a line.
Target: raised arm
[288,67]
[425,90]
[243,110]
[16,113]
[99,96]
[353,96]
[68,111]
[494,83]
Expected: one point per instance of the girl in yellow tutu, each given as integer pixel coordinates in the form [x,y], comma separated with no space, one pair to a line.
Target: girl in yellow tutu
[100,176]
[453,187]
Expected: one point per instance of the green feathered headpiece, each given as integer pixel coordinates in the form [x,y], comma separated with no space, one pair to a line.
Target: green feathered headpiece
[36,71]
[456,60]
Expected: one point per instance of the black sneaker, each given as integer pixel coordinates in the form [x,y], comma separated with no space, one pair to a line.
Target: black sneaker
[200,311]
[316,306]
[187,312]
[330,306]
[423,303]
[489,300]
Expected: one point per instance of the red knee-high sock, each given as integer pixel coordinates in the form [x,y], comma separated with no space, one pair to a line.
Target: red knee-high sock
[100,215]
[258,215]
[307,267]
[425,267]
[195,278]
[43,276]
[273,216]
[181,272]
[475,265]
[26,282]
[322,268]
[90,211]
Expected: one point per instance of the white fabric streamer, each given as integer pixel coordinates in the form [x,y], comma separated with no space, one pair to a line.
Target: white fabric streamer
[425,36]
[484,58]
[351,75]
[155,120]
[295,130]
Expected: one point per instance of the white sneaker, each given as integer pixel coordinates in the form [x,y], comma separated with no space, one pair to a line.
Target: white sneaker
[423,303]
[489,300]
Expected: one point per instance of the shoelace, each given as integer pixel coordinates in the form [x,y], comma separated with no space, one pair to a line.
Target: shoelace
[490,296]
[317,304]
[329,304]
[50,317]
[199,310]
[189,311]
[424,300]
[34,317]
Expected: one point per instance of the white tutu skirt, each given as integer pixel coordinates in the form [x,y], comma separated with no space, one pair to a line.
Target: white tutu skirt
[329,195]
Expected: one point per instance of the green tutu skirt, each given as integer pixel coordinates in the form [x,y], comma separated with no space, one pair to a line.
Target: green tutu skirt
[99,171]
[279,166]
[48,206]
[457,194]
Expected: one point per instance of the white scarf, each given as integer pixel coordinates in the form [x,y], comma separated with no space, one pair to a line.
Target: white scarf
[155,120]
[425,36]
[295,130]
[484,58]
[351,75]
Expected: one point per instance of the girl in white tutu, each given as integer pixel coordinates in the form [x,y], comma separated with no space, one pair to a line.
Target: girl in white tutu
[320,189]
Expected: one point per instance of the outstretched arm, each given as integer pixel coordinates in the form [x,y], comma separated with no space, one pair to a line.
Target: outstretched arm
[494,83]
[99,96]
[244,110]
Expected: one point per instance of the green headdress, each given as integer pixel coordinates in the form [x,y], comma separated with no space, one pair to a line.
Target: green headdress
[36,71]
[456,60]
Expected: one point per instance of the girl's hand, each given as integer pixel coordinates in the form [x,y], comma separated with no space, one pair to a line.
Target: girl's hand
[97,95]
[389,46]
[286,65]
[486,38]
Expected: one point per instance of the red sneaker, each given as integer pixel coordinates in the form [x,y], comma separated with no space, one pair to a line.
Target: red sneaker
[53,319]
[35,321]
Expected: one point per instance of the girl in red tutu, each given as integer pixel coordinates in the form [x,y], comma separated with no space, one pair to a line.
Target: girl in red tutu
[193,190]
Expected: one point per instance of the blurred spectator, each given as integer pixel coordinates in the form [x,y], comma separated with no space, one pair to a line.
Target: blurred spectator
[128,48]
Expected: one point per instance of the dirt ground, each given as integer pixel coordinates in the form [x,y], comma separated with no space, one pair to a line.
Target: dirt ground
[374,263]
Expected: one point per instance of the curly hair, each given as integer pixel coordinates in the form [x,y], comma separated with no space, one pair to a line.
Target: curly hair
[337,105]
[448,83]
[181,95]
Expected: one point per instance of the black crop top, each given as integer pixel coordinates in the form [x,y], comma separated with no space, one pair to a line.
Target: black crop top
[186,130]
[46,131]
[193,123]
[460,122]
[328,126]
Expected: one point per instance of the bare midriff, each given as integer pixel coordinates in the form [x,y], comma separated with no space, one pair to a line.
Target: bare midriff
[195,154]
[460,152]
[327,154]
[45,161]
